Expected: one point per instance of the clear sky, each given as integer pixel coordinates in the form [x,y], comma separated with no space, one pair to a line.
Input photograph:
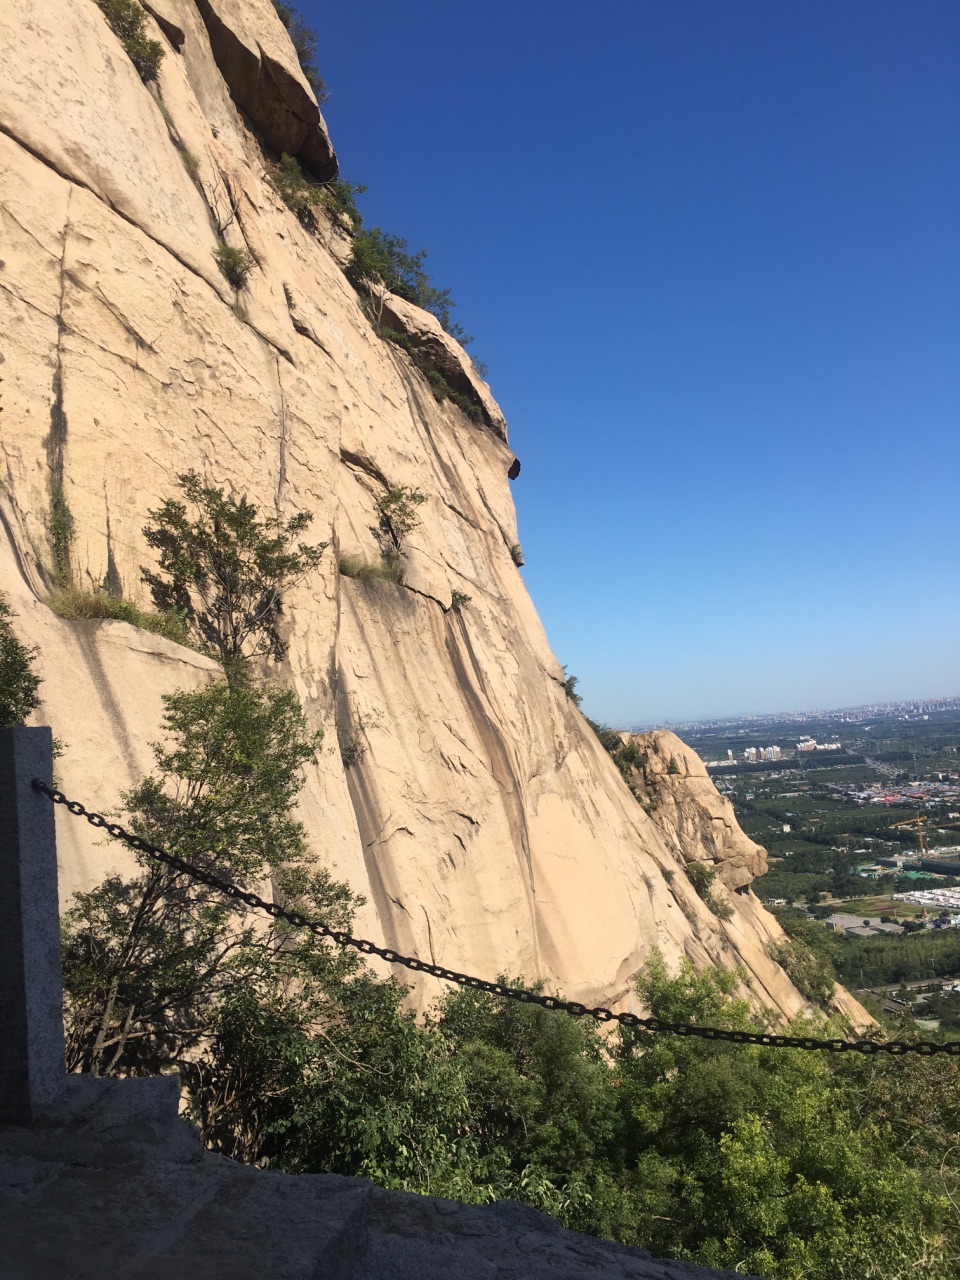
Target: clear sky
[710,250]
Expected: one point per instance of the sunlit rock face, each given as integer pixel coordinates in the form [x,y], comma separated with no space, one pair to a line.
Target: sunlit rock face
[482,821]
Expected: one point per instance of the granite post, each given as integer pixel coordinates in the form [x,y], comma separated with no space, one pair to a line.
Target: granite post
[32,1070]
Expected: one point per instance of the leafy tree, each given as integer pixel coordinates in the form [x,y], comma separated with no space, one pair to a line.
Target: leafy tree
[145,961]
[398,514]
[760,1159]
[18,681]
[224,570]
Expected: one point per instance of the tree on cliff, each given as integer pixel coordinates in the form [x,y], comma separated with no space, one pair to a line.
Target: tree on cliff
[224,570]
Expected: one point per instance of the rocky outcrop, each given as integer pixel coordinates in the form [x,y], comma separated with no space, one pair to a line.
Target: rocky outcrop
[113,1183]
[482,820]
[257,61]
[439,351]
[695,820]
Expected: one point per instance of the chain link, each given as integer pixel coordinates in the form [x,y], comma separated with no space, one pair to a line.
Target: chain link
[572,1007]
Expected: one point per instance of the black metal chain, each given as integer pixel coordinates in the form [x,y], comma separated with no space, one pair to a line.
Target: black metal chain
[572,1007]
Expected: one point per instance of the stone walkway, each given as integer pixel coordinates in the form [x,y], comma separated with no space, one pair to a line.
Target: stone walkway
[113,1185]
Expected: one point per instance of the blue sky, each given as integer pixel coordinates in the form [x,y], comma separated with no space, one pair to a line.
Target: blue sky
[710,250]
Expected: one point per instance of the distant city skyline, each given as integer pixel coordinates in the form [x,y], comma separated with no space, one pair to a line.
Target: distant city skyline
[950,702]
[709,254]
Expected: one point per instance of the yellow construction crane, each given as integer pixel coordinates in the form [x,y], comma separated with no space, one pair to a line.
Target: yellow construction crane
[919,820]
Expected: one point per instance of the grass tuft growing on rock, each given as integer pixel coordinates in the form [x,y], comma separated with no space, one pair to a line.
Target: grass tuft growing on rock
[389,568]
[75,605]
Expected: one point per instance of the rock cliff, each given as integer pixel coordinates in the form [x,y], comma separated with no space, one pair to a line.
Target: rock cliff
[482,820]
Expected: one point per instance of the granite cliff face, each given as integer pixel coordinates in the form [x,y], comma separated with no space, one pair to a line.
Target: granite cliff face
[484,823]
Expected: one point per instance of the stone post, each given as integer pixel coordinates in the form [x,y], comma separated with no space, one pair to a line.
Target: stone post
[32,1070]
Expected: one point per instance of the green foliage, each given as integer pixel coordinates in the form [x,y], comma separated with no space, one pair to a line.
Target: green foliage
[146,962]
[389,568]
[60,529]
[190,163]
[236,264]
[673,768]
[770,1162]
[702,878]
[75,605]
[224,571]
[398,514]
[304,197]
[570,688]
[380,258]
[516,554]
[126,19]
[458,599]
[18,681]
[304,40]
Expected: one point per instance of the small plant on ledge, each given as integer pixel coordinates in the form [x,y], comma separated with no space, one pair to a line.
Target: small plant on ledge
[516,555]
[236,264]
[458,599]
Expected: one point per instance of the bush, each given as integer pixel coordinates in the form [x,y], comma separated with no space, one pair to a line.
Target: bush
[570,688]
[458,599]
[516,555]
[126,19]
[224,571]
[18,683]
[398,513]
[73,604]
[60,532]
[236,264]
[811,974]
[702,878]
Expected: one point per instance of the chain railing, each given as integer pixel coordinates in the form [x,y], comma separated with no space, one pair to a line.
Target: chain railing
[503,990]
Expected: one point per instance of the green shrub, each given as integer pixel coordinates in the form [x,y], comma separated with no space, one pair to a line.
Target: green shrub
[236,264]
[379,258]
[224,570]
[73,604]
[811,974]
[701,877]
[18,683]
[570,688]
[398,513]
[126,19]
[190,162]
[673,768]
[304,40]
[516,555]
[352,749]
[60,532]
[389,568]
[458,599]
